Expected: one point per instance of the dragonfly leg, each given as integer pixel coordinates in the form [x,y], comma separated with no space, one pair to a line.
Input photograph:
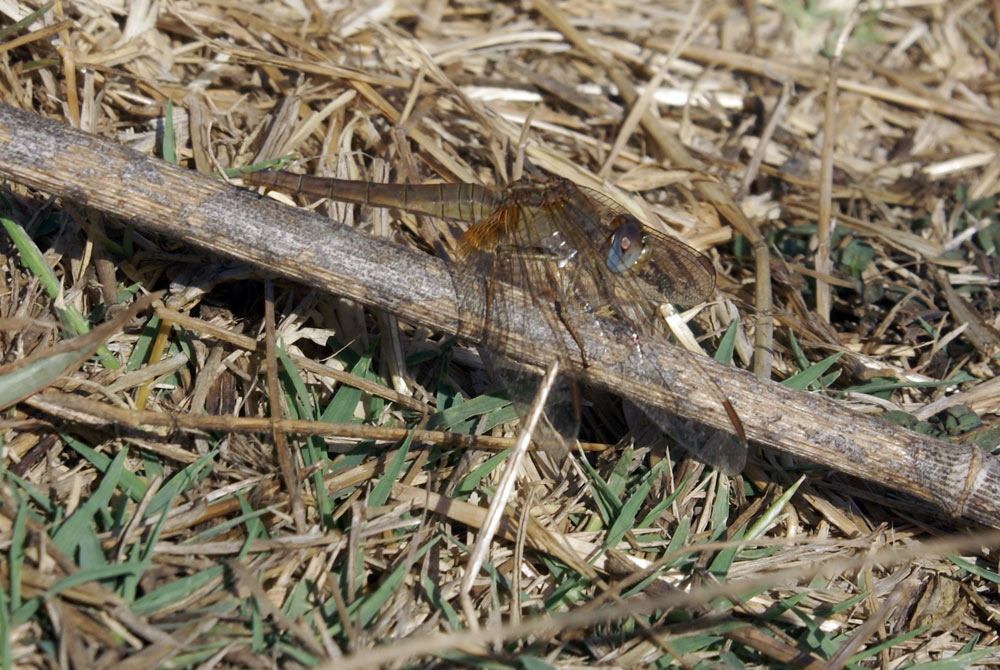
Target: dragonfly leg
[572,333]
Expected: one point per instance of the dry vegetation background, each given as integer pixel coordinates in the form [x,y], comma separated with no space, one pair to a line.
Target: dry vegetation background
[180,547]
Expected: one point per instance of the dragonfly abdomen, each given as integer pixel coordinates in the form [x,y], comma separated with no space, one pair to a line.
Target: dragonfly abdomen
[460,202]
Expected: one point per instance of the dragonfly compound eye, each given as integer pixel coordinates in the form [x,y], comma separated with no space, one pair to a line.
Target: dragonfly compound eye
[627,249]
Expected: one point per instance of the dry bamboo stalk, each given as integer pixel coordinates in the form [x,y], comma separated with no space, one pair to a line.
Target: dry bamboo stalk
[959,479]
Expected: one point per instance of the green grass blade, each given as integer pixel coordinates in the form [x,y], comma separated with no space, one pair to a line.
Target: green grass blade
[724,352]
[169,139]
[25,22]
[810,375]
[380,493]
[77,529]
[34,261]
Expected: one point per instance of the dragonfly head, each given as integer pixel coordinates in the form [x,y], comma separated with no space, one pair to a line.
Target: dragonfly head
[627,246]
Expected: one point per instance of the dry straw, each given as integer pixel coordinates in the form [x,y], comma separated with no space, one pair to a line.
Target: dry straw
[247,470]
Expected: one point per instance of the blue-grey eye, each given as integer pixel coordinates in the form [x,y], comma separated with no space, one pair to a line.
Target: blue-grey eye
[628,245]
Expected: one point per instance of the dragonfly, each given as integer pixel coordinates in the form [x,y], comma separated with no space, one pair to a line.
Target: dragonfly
[574,256]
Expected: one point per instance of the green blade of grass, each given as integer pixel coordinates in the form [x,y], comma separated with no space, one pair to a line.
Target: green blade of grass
[34,261]
[15,555]
[92,575]
[77,529]
[169,140]
[724,352]
[380,493]
[176,591]
[363,610]
[24,23]
[181,482]
[132,485]
[625,520]
[810,375]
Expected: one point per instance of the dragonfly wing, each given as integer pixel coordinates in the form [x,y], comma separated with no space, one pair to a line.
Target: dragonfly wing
[677,272]
[719,449]
[498,275]
[560,422]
